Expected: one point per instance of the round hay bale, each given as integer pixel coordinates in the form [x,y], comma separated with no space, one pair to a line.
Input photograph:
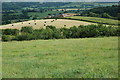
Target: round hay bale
[65,25]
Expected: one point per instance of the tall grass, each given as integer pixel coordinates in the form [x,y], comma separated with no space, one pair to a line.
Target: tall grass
[62,58]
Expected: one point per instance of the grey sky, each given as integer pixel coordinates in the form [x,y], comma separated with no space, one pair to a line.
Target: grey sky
[60,0]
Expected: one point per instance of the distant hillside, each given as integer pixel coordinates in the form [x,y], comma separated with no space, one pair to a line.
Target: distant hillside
[21,11]
[105,12]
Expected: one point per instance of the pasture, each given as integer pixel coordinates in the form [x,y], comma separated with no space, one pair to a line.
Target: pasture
[96,20]
[59,23]
[61,58]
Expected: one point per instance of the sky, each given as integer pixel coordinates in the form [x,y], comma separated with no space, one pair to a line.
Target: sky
[60,0]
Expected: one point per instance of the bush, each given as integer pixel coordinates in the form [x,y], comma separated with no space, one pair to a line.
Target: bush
[24,37]
[10,32]
[57,34]
[74,32]
[65,32]
[88,31]
[111,31]
[8,38]
[37,34]
[47,34]
[27,29]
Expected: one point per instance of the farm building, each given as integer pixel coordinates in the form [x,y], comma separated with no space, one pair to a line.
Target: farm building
[69,14]
[62,15]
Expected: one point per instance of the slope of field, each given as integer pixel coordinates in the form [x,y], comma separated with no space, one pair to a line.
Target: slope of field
[40,23]
[96,20]
[64,58]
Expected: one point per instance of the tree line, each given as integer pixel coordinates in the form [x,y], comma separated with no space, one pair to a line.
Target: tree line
[51,32]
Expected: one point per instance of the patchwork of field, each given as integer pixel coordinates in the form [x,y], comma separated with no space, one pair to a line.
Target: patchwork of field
[59,23]
[44,14]
[62,58]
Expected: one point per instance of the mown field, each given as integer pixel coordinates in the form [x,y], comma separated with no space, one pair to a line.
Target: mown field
[96,20]
[59,23]
[62,58]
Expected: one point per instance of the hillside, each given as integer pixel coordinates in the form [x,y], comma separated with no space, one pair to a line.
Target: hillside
[62,58]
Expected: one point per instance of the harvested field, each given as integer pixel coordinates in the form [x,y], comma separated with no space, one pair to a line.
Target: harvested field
[59,23]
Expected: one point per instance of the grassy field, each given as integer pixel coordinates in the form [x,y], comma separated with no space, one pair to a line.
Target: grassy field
[63,58]
[96,20]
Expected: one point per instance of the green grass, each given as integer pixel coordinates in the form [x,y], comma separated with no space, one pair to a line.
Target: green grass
[96,20]
[42,15]
[62,58]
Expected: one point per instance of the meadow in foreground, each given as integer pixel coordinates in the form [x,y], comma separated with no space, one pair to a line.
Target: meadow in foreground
[62,58]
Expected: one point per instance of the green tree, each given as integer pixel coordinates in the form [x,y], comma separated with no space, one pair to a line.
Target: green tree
[27,29]
[47,34]
[57,34]
[74,32]
[10,32]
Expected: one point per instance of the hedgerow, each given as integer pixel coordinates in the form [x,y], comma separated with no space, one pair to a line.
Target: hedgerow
[51,32]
